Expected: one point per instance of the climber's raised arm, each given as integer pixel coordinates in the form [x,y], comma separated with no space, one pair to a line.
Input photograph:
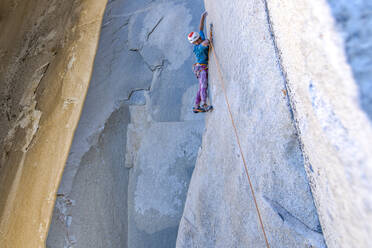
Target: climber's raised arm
[205,42]
[201,26]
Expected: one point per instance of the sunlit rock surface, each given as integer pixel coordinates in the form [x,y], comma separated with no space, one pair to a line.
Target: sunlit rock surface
[219,210]
[317,53]
[324,56]
[298,78]
[47,50]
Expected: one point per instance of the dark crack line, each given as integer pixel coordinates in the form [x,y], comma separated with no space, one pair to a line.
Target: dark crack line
[45,69]
[153,29]
[152,68]
[191,224]
[32,141]
[44,72]
[278,55]
[135,90]
[121,27]
[291,102]
[286,216]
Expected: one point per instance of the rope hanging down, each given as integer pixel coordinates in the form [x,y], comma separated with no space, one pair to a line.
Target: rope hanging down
[236,135]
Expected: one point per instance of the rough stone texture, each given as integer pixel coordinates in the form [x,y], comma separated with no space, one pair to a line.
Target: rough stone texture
[159,180]
[98,193]
[44,73]
[325,53]
[219,210]
[136,144]
[354,23]
[299,80]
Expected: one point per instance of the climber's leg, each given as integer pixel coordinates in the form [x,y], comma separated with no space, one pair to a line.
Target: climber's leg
[201,73]
[196,70]
[196,108]
[198,97]
[203,85]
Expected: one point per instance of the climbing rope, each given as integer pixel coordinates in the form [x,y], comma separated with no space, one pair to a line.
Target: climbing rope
[211,47]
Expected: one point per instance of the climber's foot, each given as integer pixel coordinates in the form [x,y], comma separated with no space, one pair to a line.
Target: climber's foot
[207,108]
[197,109]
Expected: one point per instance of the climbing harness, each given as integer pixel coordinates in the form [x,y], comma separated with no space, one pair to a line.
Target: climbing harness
[211,47]
[197,68]
[206,65]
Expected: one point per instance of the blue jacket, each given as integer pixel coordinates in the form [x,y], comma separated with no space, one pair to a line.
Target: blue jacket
[201,52]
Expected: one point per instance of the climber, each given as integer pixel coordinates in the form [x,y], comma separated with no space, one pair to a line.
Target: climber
[200,68]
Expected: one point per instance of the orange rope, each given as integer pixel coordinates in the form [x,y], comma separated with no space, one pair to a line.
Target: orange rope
[238,140]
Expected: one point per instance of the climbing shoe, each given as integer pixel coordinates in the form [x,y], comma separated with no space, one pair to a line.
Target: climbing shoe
[197,110]
[207,108]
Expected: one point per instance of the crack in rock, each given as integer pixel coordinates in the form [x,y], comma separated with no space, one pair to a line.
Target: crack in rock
[293,221]
[153,29]
[136,98]
[121,27]
[151,67]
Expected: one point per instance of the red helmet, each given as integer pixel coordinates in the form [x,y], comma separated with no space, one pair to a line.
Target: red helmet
[193,36]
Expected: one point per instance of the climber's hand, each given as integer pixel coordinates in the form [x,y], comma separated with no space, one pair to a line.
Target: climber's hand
[201,26]
[205,43]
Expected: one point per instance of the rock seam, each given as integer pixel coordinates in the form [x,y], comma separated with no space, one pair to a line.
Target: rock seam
[291,104]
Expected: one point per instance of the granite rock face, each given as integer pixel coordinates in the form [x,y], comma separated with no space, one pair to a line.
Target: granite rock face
[45,69]
[317,54]
[158,182]
[219,210]
[298,78]
[135,148]
[324,56]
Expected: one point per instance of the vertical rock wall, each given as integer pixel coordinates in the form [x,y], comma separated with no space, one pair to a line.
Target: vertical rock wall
[219,210]
[298,80]
[47,50]
[325,51]
[318,54]
[134,151]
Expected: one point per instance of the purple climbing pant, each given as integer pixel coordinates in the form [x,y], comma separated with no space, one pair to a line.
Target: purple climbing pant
[201,73]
